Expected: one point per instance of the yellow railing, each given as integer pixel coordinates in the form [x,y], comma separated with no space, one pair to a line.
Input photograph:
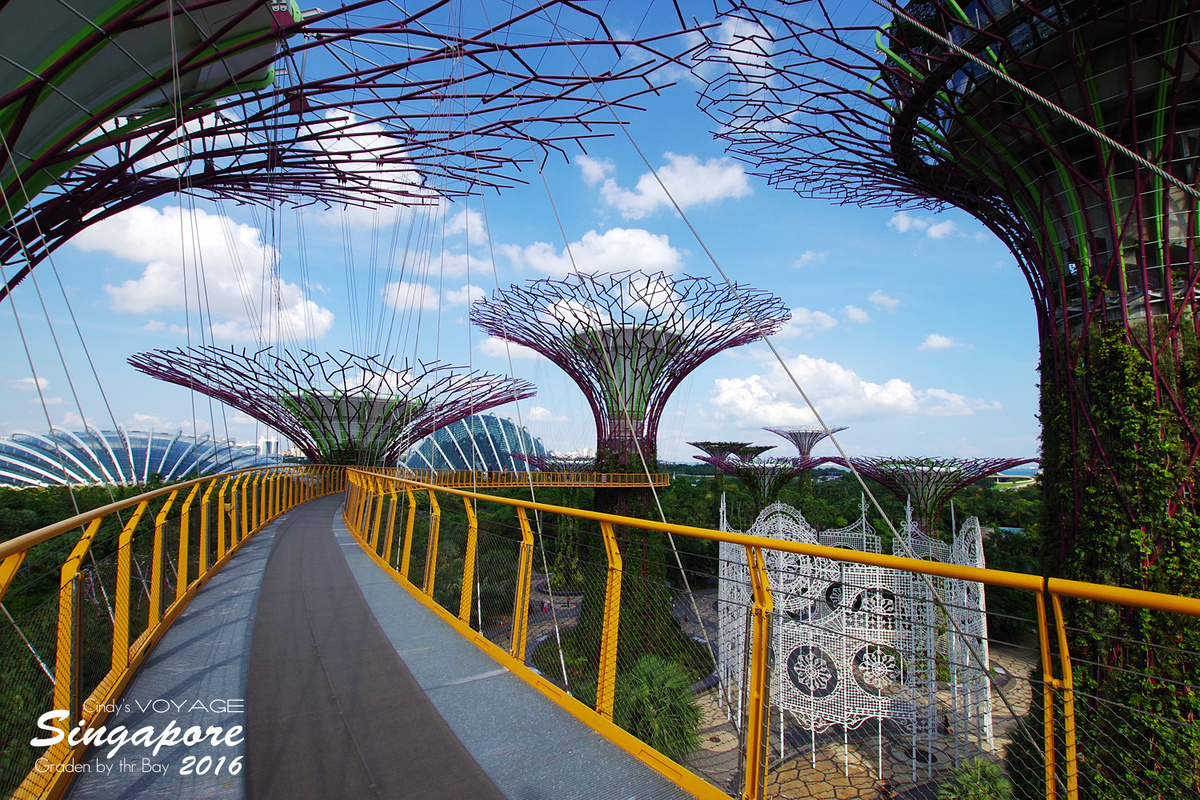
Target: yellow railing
[508,479]
[139,561]
[478,573]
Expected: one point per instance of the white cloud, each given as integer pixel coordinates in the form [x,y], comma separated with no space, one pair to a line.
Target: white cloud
[688,180]
[856,314]
[612,251]
[881,300]
[839,393]
[158,326]
[936,341]
[406,296]
[499,348]
[595,170]
[539,414]
[469,222]
[28,384]
[234,267]
[469,293]
[809,257]
[806,323]
[50,401]
[905,222]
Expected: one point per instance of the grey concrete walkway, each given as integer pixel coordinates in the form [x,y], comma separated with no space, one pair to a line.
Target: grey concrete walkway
[529,747]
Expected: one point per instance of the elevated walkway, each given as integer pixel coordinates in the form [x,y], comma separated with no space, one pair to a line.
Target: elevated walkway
[344,685]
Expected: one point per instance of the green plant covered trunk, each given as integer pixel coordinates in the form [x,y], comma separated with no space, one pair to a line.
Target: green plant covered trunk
[1119,449]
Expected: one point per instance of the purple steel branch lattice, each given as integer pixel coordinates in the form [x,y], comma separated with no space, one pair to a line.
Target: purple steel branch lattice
[764,478]
[1085,168]
[337,408]
[394,109]
[805,438]
[929,482]
[627,339]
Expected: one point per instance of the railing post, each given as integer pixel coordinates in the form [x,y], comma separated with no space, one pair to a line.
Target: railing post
[391,527]
[181,571]
[124,590]
[468,580]
[244,511]
[66,658]
[1068,687]
[431,550]
[520,621]
[606,681]
[377,487]
[204,515]
[157,568]
[1048,682]
[758,695]
[406,555]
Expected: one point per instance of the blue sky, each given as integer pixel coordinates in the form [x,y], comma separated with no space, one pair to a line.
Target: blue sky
[915,330]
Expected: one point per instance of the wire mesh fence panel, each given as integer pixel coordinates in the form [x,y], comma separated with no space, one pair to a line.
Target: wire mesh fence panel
[496,578]
[27,650]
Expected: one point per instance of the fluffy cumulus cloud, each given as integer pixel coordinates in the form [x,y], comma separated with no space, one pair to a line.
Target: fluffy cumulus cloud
[690,181]
[612,251]
[195,257]
[28,384]
[496,347]
[839,393]
[539,414]
[881,300]
[809,257]
[931,227]
[806,323]
[936,341]
[856,314]
[417,296]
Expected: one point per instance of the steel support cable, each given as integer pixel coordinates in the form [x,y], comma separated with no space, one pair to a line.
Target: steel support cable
[940,602]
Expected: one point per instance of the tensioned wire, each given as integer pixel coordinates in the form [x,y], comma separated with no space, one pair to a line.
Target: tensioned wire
[981,665]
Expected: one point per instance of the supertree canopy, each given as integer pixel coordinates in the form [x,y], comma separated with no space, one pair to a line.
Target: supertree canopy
[256,102]
[763,478]
[337,408]
[1071,129]
[805,438]
[627,340]
[928,483]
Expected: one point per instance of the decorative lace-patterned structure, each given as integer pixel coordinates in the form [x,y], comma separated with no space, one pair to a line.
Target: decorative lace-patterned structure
[855,643]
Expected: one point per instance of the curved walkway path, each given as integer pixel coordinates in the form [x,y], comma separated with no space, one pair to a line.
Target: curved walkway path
[345,686]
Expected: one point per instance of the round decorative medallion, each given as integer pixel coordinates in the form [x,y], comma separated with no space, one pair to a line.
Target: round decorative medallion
[812,672]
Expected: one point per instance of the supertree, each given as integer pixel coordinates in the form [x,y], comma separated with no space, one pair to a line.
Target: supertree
[1070,129]
[928,482]
[764,478]
[746,451]
[805,438]
[337,408]
[627,340]
[253,101]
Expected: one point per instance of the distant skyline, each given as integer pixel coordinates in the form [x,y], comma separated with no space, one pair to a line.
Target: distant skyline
[914,329]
